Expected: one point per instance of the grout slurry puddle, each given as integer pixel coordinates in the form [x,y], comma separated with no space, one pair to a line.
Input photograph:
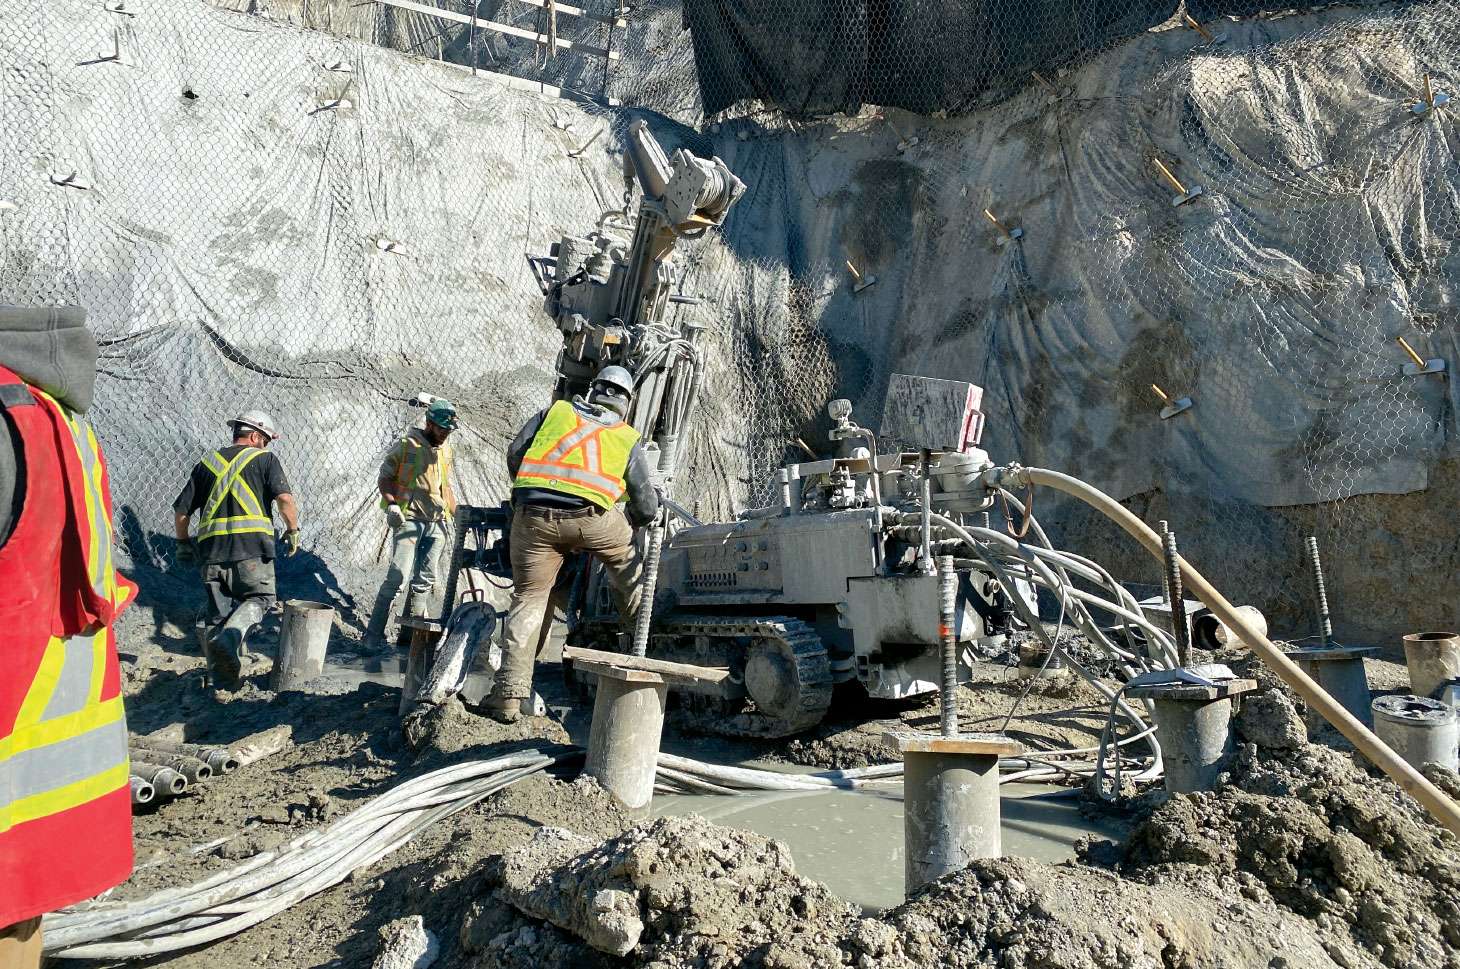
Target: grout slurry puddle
[851,841]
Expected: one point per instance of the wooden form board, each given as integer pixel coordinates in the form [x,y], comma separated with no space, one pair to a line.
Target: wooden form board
[700,679]
[507,29]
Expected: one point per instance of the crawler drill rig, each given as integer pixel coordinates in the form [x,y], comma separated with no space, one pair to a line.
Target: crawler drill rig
[832,585]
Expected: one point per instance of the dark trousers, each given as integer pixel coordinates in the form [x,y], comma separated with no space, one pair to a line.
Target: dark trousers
[239,593]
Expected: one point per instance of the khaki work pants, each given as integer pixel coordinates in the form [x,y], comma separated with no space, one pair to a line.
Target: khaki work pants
[541,540]
[20,945]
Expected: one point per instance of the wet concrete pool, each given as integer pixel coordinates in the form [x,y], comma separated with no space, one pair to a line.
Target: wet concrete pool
[851,841]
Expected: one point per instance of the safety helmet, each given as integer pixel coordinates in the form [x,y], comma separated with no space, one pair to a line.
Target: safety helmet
[615,376]
[442,413]
[256,420]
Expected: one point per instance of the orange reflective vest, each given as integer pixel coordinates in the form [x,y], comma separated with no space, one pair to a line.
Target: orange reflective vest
[65,805]
[578,456]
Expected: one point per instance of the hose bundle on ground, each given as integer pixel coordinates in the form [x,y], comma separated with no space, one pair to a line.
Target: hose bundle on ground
[268,883]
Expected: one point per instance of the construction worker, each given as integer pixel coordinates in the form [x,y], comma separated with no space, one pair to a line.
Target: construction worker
[65,806]
[570,466]
[415,491]
[233,491]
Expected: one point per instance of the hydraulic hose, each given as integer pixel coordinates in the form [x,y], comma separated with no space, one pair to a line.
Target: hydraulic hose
[1399,770]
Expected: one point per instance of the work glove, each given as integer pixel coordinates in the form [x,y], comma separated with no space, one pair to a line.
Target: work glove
[394,517]
[291,541]
[187,552]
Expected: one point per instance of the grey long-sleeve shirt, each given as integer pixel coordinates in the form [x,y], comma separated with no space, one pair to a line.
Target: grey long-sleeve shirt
[643,500]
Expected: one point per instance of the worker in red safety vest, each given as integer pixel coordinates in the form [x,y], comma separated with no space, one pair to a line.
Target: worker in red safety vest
[571,466]
[65,804]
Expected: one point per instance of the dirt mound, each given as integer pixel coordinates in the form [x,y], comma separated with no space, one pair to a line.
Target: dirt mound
[1324,838]
[1020,914]
[448,728]
[673,892]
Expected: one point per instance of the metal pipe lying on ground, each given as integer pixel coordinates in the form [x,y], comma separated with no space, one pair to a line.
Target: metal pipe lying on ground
[142,791]
[195,770]
[1409,780]
[164,780]
[221,759]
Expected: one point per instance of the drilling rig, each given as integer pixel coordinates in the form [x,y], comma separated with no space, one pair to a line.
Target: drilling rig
[835,584]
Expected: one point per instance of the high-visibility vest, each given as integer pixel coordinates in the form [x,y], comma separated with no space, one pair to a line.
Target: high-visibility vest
[578,456]
[413,470]
[65,806]
[231,507]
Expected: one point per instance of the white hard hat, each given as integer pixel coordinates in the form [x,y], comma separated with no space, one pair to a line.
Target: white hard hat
[615,376]
[259,421]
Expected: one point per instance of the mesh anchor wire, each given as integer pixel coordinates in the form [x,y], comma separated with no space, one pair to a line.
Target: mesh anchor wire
[1432,99]
[339,102]
[1418,365]
[576,152]
[903,144]
[1207,39]
[389,245]
[118,6]
[1006,234]
[1183,194]
[104,57]
[340,67]
[71,179]
[860,282]
[1173,407]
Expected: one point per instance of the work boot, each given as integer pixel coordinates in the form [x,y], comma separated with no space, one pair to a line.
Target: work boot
[507,709]
[224,663]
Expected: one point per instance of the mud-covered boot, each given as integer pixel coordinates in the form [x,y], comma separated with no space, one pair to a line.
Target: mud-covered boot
[505,709]
[223,653]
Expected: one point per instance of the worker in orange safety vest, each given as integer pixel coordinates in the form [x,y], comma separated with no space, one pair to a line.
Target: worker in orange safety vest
[571,466]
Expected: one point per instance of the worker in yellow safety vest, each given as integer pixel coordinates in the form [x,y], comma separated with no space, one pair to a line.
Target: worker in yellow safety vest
[415,491]
[571,466]
[233,491]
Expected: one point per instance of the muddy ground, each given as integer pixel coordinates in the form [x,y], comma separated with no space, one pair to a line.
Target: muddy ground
[1303,858]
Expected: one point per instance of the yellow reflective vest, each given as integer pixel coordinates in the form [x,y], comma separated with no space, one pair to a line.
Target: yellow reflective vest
[578,456]
[232,508]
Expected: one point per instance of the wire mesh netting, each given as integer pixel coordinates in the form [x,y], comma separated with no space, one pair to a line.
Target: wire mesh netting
[1177,245]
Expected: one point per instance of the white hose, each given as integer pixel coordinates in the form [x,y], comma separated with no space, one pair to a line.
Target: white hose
[267,884]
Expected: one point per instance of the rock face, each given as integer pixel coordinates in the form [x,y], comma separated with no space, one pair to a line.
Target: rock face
[676,891]
[405,944]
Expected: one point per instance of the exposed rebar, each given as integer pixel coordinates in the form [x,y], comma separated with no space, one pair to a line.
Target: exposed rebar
[1161,529]
[1320,593]
[1179,626]
[647,586]
[925,548]
[948,638]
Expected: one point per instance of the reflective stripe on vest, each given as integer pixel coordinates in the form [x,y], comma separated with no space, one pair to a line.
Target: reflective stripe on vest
[577,456]
[100,566]
[228,482]
[413,466]
[67,746]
